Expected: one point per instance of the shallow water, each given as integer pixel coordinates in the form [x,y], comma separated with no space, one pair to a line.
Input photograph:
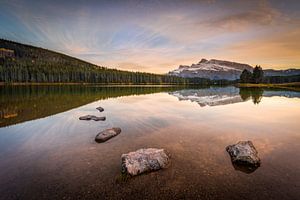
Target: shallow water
[47,153]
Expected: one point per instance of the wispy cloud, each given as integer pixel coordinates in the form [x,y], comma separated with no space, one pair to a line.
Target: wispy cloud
[157,36]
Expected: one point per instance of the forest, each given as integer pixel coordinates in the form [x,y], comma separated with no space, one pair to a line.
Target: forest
[30,64]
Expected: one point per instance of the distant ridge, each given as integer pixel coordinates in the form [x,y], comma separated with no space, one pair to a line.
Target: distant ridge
[286,72]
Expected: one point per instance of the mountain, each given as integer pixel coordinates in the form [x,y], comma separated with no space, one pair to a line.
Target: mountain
[219,69]
[212,69]
[29,64]
[286,72]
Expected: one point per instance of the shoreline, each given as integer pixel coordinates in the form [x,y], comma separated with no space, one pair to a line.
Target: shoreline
[291,86]
[109,84]
[96,84]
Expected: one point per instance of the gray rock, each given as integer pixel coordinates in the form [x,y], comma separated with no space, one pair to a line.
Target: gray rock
[107,134]
[92,117]
[244,153]
[144,160]
[100,109]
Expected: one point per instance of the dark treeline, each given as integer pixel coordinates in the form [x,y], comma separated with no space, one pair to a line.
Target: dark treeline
[32,64]
[258,77]
[281,79]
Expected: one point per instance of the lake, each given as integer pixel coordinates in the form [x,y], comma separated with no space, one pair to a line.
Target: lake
[46,152]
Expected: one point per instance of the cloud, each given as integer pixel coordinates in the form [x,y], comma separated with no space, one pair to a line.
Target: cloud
[279,50]
[261,15]
[156,36]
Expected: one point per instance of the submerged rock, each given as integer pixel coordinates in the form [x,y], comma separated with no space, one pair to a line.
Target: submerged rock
[92,117]
[107,134]
[244,154]
[144,160]
[248,169]
[100,109]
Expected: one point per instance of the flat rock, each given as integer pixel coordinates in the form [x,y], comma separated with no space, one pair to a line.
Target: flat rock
[100,109]
[244,153]
[144,160]
[92,117]
[107,134]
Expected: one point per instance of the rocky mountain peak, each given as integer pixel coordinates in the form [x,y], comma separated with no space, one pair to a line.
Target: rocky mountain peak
[183,66]
[212,69]
[203,60]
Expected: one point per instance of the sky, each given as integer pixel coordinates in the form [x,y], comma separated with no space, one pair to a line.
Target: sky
[158,36]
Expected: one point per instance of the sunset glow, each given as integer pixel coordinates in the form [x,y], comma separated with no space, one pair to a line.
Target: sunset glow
[157,36]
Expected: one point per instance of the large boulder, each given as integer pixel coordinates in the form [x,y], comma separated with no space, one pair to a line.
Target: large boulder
[144,160]
[92,117]
[244,153]
[107,134]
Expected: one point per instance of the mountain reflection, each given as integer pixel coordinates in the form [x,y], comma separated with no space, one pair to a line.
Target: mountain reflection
[210,96]
[215,96]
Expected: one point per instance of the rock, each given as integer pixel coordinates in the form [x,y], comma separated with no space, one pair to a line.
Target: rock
[243,153]
[144,160]
[107,134]
[92,117]
[100,109]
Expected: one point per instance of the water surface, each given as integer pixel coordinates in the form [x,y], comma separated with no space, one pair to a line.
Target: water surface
[47,153]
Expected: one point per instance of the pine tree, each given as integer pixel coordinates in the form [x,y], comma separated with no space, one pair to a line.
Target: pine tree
[246,76]
[258,75]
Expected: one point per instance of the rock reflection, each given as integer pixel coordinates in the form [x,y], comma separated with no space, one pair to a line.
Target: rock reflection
[244,168]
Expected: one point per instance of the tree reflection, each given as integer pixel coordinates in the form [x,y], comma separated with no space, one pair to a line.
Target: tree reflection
[254,93]
[23,103]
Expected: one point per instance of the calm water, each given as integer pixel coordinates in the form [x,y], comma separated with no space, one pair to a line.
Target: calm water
[47,153]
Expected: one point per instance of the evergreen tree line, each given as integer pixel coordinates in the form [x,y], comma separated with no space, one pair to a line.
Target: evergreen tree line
[31,64]
[282,79]
[258,77]
[12,71]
